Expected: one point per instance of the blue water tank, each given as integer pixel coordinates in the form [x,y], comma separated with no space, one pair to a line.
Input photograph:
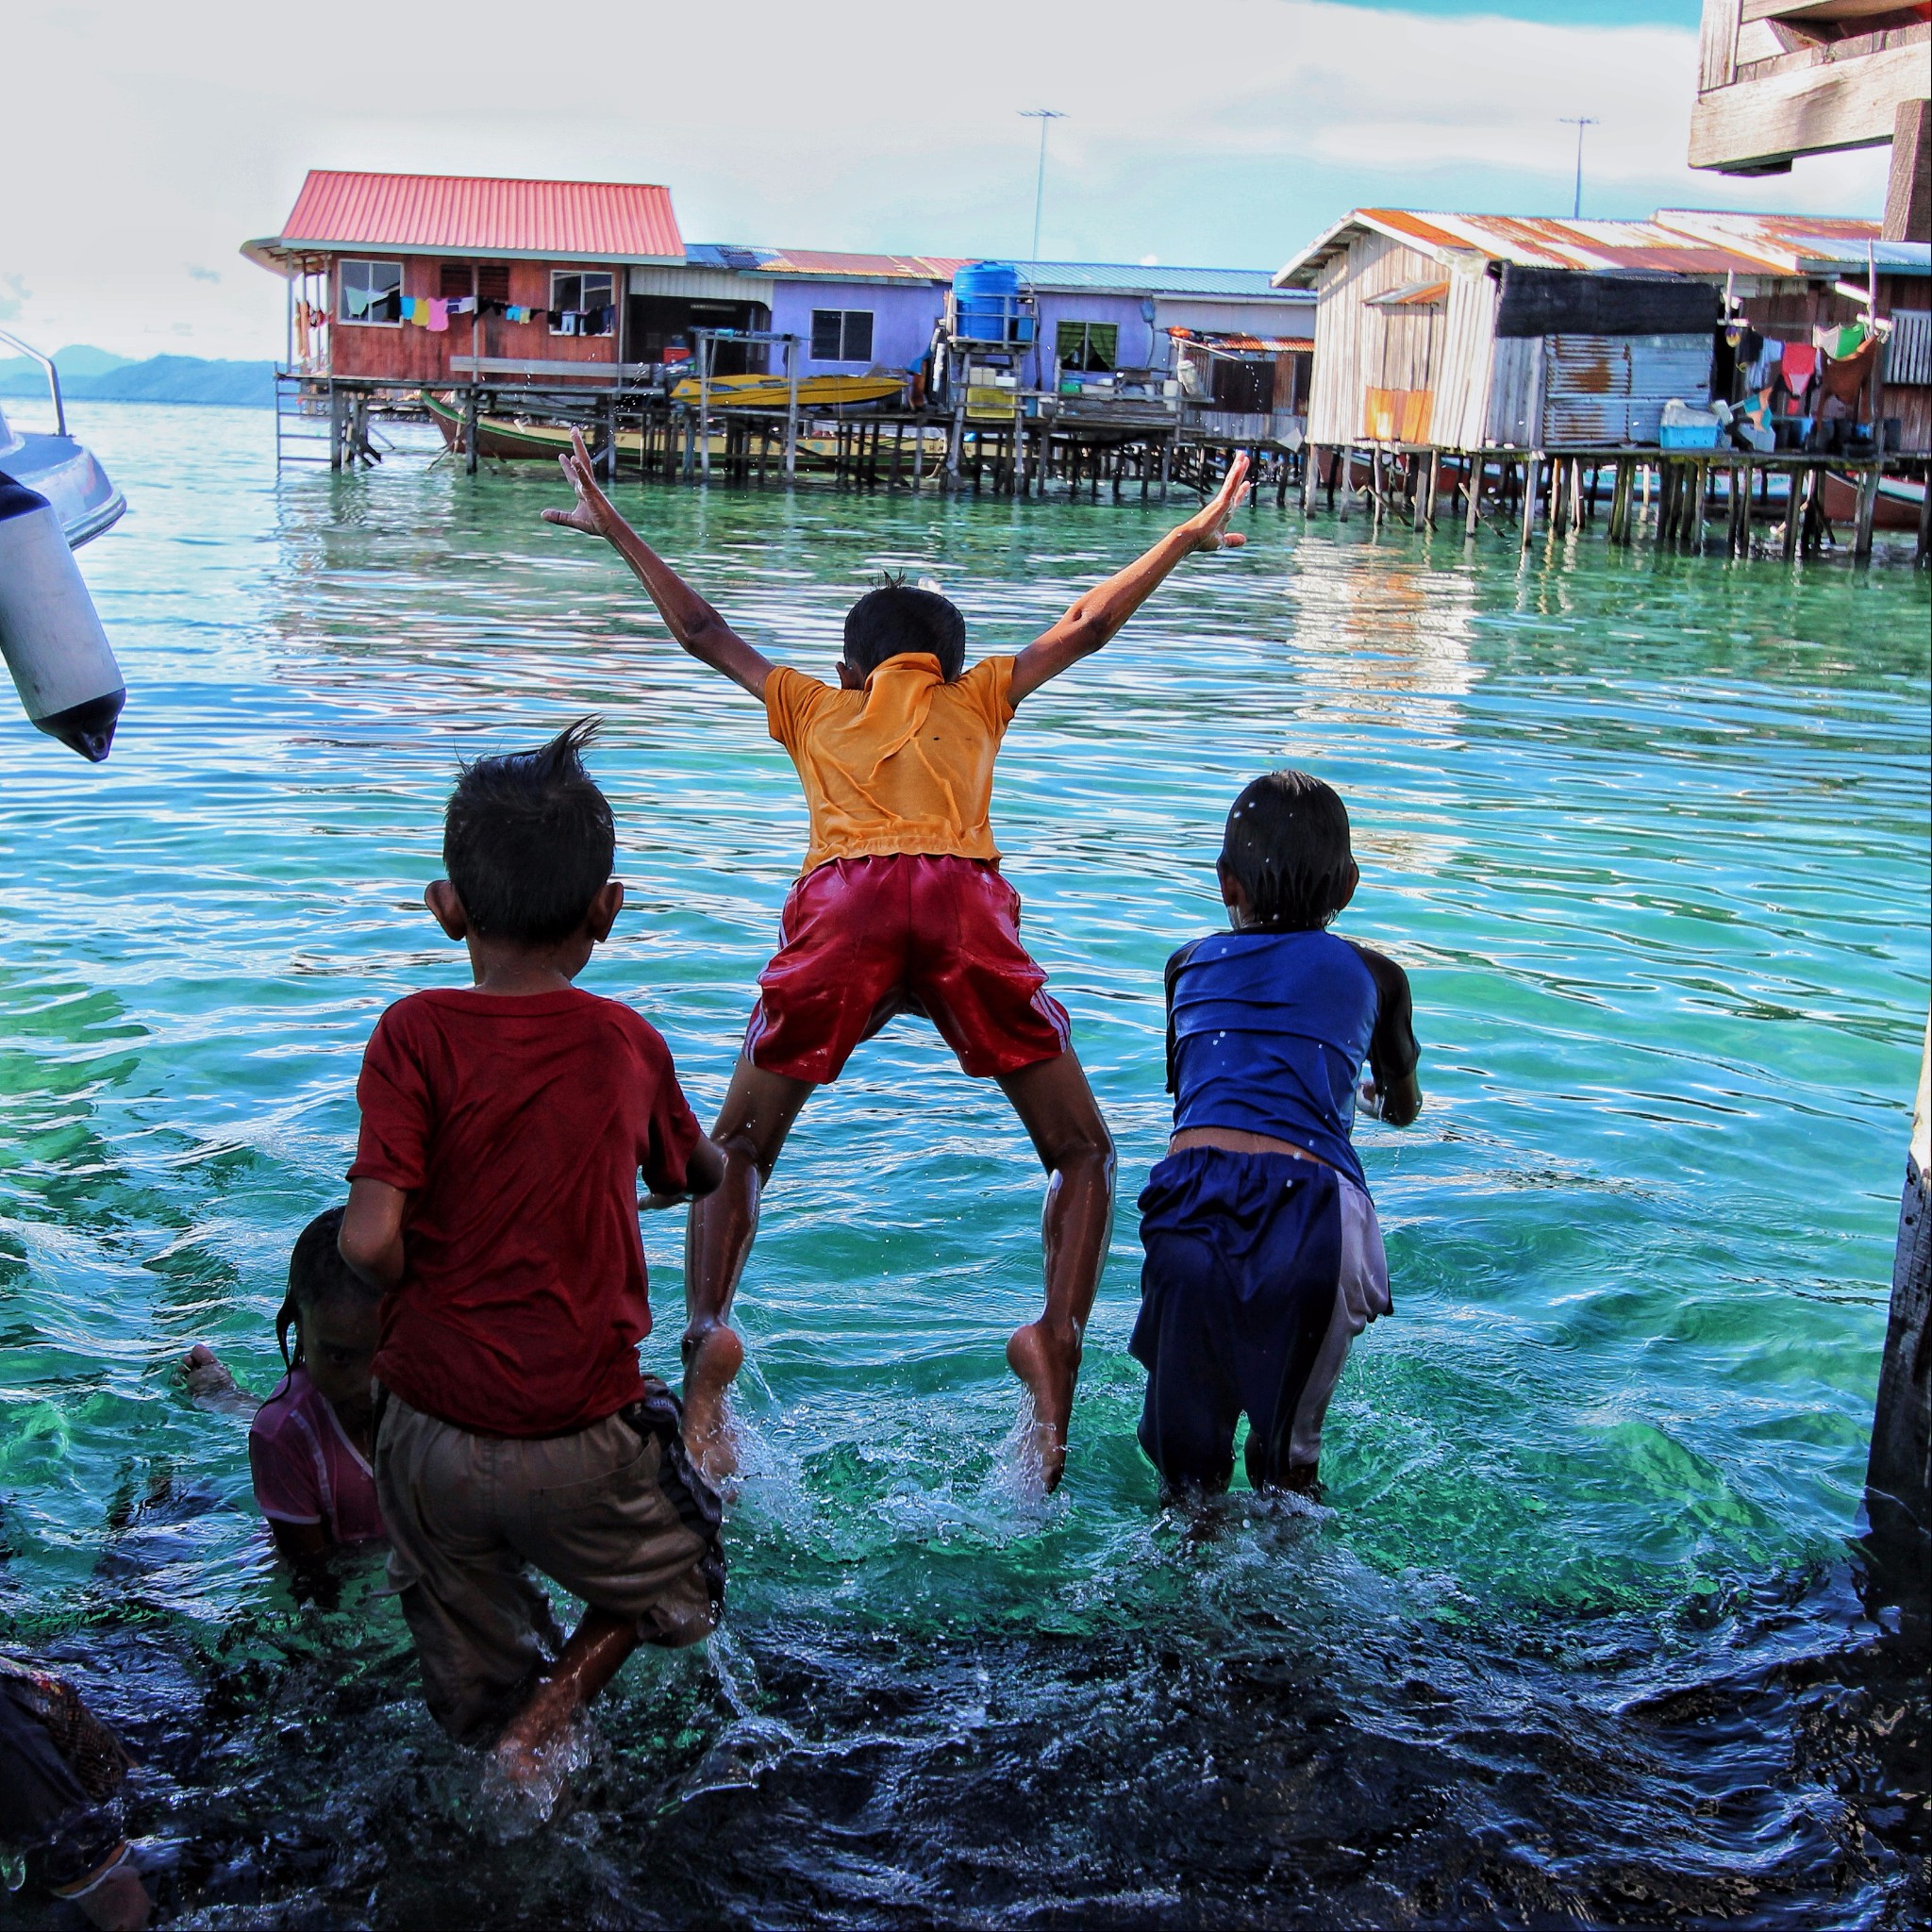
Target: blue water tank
[986,303]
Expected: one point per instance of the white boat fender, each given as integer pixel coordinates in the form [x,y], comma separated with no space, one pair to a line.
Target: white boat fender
[69,683]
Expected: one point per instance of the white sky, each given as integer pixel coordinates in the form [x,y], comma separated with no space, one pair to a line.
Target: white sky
[1221,132]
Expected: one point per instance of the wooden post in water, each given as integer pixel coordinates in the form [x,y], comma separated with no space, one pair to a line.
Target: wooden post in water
[1867,511]
[1472,491]
[470,430]
[1532,474]
[1898,1477]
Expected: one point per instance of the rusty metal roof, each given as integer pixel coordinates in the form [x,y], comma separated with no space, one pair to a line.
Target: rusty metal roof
[1650,247]
[461,214]
[1804,244]
[842,264]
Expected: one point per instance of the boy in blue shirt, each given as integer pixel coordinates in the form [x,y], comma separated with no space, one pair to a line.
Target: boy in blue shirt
[1264,1258]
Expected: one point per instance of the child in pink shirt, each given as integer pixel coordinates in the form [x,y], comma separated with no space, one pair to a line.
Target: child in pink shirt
[310,1442]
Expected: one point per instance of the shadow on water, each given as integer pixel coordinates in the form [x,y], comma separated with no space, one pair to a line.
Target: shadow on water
[1579,1639]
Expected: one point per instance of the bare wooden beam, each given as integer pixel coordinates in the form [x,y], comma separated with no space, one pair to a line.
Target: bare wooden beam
[1764,121]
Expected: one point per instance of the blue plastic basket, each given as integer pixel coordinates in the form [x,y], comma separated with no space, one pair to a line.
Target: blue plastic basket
[1688,435]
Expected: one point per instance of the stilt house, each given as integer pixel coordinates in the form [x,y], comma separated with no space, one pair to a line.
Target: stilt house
[1465,332]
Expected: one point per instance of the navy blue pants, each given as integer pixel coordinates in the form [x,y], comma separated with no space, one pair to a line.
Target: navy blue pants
[1238,1297]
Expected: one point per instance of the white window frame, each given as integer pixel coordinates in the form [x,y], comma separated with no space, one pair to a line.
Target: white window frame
[343,267]
[581,275]
[845,315]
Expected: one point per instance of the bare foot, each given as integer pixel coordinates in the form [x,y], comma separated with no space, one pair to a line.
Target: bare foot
[525,1753]
[1047,1362]
[205,1373]
[712,1356]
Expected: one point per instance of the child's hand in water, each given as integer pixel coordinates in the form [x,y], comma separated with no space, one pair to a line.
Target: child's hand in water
[1210,527]
[1370,1096]
[593,513]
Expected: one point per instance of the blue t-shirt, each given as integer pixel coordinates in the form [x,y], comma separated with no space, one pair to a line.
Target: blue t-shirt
[1267,1033]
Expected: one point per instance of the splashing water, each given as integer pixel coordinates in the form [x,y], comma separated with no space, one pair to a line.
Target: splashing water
[1574,1637]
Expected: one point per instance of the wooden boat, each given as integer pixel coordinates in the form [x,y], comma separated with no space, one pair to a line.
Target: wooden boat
[498,436]
[1901,501]
[773,392]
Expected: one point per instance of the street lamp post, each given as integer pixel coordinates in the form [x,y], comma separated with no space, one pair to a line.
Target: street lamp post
[1579,121]
[1042,115]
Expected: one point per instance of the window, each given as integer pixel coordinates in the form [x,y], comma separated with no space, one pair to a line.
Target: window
[372,291]
[841,335]
[453,280]
[492,281]
[582,305]
[1086,345]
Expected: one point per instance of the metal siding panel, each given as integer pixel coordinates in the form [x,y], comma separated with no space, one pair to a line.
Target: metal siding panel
[1909,354]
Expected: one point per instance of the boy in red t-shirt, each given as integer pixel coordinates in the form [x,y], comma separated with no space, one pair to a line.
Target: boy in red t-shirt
[493,1197]
[900,908]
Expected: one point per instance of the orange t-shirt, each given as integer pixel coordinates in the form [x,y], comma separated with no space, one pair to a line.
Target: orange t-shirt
[904,765]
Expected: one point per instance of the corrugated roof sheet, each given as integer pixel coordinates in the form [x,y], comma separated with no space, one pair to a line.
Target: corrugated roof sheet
[1675,243]
[1137,278]
[1802,243]
[598,221]
[1053,277]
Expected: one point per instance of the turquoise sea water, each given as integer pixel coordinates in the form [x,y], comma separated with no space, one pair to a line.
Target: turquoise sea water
[1575,1639]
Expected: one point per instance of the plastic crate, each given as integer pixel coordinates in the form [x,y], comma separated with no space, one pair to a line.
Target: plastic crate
[1688,435]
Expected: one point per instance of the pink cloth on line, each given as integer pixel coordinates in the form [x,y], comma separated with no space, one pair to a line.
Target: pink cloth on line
[1798,362]
[439,316]
[307,1469]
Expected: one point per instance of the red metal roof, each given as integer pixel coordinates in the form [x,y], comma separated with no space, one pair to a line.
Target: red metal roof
[460,215]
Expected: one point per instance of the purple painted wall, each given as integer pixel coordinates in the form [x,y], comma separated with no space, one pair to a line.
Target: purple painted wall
[903,316]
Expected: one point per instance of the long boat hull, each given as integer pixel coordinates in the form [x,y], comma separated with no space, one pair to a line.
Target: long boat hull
[773,392]
[1901,502]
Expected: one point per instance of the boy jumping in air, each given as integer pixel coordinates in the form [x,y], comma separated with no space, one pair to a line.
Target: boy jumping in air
[900,908]
[1264,1258]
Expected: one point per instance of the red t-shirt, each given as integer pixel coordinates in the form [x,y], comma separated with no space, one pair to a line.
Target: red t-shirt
[518,1127]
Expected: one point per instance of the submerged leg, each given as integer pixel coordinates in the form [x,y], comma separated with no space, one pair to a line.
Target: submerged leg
[758,1114]
[1058,1109]
[587,1664]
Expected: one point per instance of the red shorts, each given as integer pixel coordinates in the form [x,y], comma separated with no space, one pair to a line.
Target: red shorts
[862,940]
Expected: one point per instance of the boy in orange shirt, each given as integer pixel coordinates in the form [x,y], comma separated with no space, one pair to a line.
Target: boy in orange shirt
[900,908]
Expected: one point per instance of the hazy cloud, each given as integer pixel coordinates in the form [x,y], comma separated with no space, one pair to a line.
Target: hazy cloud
[1230,132]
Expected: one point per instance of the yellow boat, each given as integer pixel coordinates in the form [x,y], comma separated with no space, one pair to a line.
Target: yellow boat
[773,392]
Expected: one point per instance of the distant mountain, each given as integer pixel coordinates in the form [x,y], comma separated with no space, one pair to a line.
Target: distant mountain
[95,376]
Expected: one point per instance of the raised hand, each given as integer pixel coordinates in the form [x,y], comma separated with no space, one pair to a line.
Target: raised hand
[1210,526]
[593,513]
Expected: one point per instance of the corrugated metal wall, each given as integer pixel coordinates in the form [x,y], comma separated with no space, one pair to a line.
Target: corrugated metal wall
[1909,354]
[1516,392]
[1613,389]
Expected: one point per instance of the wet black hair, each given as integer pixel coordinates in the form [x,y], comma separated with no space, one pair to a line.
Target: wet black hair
[1286,846]
[528,840]
[899,617]
[318,1274]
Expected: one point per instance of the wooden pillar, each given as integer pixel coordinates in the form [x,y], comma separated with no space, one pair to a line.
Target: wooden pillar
[1898,1477]
[1794,513]
[1472,491]
[1425,491]
[1532,471]
[1868,511]
[1923,551]
[1908,195]
[335,427]
[1619,532]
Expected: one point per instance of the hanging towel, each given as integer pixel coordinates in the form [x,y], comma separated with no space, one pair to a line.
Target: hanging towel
[463,304]
[355,301]
[1799,363]
[439,316]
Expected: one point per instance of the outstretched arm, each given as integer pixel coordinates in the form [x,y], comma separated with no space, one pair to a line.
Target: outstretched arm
[686,615]
[1097,614]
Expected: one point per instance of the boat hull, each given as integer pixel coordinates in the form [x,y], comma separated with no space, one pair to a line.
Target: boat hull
[68,476]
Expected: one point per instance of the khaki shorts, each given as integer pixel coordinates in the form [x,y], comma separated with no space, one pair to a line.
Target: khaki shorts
[613,1513]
